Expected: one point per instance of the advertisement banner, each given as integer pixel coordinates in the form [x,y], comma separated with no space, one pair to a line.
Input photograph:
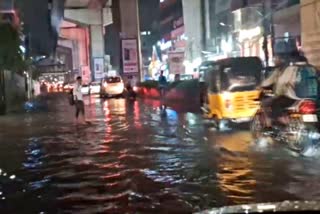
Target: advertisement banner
[130,56]
[98,68]
[176,60]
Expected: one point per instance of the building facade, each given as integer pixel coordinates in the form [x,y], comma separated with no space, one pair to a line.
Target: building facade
[172,42]
[310,30]
[250,27]
[149,15]
[194,33]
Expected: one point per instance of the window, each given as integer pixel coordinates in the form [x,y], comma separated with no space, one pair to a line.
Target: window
[113,79]
[213,79]
[236,81]
[225,79]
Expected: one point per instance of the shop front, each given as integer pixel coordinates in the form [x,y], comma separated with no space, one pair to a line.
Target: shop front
[236,29]
[251,43]
[172,47]
[243,34]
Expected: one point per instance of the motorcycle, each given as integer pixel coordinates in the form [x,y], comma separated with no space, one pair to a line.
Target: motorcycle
[299,132]
[131,94]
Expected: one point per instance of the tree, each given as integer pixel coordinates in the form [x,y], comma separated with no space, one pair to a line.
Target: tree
[11,57]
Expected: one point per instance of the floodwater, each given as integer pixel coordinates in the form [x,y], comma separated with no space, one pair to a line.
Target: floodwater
[135,158]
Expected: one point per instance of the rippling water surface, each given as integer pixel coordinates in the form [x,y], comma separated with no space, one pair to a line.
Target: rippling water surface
[134,158]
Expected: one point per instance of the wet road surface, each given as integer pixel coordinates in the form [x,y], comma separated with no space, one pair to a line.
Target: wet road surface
[134,159]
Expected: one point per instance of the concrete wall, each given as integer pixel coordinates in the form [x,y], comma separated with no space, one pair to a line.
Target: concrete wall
[15,90]
[129,18]
[287,20]
[310,30]
[130,28]
[97,41]
[89,16]
[193,28]
[96,19]
[73,44]
[81,35]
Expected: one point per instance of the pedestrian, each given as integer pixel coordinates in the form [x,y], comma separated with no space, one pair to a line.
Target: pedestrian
[162,84]
[78,100]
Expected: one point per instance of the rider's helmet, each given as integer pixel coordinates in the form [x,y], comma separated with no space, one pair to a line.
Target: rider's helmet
[297,56]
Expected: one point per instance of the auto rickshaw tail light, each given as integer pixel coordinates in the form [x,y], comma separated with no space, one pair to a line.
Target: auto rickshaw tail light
[228,104]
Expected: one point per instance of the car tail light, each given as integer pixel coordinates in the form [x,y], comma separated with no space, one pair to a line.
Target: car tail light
[227,100]
[307,107]
[135,88]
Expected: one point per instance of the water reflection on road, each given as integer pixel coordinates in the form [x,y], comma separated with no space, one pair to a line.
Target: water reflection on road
[135,158]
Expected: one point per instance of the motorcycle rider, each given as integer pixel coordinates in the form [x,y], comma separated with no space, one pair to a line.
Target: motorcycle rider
[282,81]
[129,87]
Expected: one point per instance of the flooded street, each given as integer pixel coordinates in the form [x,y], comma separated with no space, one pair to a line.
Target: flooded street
[135,159]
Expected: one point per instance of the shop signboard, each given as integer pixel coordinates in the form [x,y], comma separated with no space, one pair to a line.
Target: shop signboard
[98,68]
[130,56]
[177,32]
[176,59]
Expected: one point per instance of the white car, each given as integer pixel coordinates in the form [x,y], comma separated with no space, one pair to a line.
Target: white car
[112,87]
[85,89]
[95,88]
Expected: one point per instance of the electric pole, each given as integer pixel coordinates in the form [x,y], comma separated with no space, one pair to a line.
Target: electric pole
[268,29]
[265,34]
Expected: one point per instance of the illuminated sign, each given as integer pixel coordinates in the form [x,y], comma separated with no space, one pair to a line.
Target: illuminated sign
[130,56]
[98,68]
[165,45]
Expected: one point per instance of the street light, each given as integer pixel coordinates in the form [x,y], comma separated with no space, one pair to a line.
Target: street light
[225,25]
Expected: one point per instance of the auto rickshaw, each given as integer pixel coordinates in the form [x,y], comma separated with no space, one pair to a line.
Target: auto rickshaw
[231,89]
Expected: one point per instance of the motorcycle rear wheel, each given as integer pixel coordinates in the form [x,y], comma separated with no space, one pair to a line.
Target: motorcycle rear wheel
[299,138]
[257,126]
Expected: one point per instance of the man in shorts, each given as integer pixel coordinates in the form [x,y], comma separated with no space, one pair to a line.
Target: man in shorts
[78,100]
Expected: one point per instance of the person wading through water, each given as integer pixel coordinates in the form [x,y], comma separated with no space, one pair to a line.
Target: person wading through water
[78,101]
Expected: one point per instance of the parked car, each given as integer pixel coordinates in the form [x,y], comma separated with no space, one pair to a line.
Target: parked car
[112,87]
[85,89]
[95,87]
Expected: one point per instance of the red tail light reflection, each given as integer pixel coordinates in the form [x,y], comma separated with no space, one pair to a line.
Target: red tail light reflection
[307,107]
